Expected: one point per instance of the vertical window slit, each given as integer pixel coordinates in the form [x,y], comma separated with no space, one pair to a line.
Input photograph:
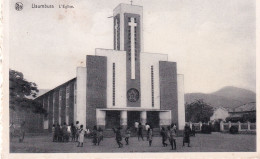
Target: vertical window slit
[114,91]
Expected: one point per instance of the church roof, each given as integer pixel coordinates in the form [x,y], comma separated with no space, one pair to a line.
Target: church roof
[55,88]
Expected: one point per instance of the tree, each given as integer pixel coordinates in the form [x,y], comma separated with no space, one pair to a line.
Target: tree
[19,90]
[198,111]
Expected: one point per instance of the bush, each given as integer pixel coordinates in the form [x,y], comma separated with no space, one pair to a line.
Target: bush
[206,129]
[233,130]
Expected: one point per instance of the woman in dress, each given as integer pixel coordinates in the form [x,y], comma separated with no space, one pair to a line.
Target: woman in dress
[81,136]
[186,135]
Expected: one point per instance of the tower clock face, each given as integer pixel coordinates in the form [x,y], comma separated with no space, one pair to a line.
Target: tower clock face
[133,95]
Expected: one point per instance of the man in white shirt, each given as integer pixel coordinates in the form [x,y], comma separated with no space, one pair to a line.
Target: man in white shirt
[136,126]
[147,126]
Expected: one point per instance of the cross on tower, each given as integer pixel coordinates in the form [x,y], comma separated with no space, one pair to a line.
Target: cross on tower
[132,24]
[116,27]
[131,2]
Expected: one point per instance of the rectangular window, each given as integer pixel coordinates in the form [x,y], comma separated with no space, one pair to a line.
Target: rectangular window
[114,80]
[67,103]
[67,95]
[60,95]
[48,110]
[152,85]
[53,106]
[75,93]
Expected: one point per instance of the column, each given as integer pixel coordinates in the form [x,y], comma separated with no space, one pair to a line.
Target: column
[123,119]
[239,126]
[143,117]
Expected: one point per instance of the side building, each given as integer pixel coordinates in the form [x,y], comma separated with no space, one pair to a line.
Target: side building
[59,103]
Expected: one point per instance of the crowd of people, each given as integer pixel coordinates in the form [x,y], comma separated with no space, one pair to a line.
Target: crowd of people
[77,133]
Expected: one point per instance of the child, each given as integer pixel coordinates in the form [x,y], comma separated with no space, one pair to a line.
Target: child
[128,132]
[81,136]
[150,136]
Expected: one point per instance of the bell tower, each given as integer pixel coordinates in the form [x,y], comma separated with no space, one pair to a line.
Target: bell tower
[128,36]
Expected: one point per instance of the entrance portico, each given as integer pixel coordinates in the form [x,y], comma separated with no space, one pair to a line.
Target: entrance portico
[110,118]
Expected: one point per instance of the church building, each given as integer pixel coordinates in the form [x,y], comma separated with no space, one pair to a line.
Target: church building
[122,85]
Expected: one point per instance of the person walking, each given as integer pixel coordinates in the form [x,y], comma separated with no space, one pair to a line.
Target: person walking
[81,136]
[186,135]
[171,136]
[128,133]
[164,137]
[118,136]
[140,131]
[150,136]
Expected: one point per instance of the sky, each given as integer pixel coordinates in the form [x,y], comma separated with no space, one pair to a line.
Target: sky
[213,42]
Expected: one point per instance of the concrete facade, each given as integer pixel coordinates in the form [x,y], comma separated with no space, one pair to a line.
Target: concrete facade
[121,86]
[96,88]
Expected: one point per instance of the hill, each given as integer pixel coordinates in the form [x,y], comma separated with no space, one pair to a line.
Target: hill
[228,97]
